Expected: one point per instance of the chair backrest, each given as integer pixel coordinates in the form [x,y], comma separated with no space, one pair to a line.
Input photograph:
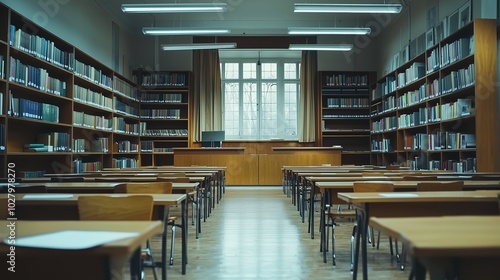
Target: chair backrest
[3,209]
[372,174]
[174,179]
[420,178]
[439,186]
[150,187]
[373,186]
[392,167]
[108,208]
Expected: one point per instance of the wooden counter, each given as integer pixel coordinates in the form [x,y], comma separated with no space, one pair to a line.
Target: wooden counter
[256,169]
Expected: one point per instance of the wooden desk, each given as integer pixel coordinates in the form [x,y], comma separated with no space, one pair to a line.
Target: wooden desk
[413,204]
[464,246]
[46,207]
[102,262]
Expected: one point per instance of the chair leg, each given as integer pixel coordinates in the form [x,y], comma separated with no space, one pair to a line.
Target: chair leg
[151,260]
[172,244]
[354,228]
[334,261]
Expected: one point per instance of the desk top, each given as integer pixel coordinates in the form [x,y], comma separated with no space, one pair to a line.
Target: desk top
[408,184]
[448,236]
[127,246]
[374,197]
[72,199]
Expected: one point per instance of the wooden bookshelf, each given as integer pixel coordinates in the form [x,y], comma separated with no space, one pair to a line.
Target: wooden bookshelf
[165,111]
[444,117]
[344,114]
[52,89]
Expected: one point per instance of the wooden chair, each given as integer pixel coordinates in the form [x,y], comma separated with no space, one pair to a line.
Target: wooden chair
[440,186]
[126,208]
[392,167]
[331,215]
[153,188]
[420,178]
[374,186]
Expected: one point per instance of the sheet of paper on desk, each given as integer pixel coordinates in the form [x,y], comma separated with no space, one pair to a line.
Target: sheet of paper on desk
[71,239]
[47,196]
[398,194]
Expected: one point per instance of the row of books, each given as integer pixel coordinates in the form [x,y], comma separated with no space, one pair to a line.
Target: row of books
[347,103]
[458,79]
[1,103]
[161,113]
[121,126]
[91,121]
[80,167]
[344,91]
[126,146]
[2,138]
[125,88]
[99,145]
[413,73]
[165,132]
[35,77]
[455,51]
[419,117]
[93,74]
[412,97]
[50,142]
[163,79]
[384,88]
[161,97]
[147,146]
[2,67]
[25,108]
[124,163]
[461,166]
[383,145]
[441,140]
[40,47]
[124,108]
[93,98]
[346,80]
[163,150]
[31,173]
[385,124]
[343,116]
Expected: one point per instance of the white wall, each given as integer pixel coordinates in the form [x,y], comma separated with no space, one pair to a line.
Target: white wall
[83,24]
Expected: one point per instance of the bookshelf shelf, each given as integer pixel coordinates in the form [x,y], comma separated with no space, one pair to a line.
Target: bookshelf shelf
[344,113]
[165,109]
[453,109]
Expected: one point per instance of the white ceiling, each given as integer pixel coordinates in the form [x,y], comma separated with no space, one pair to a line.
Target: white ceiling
[243,17]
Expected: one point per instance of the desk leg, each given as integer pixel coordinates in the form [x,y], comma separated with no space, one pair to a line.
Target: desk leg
[163,263]
[359,221]
[311,211]
[135,265]
[184,236]
[322,226]
[364,240]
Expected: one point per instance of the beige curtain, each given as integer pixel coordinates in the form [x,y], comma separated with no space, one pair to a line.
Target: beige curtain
[308,68]
[207,101]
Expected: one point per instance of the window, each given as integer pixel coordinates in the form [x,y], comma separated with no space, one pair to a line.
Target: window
[260,99]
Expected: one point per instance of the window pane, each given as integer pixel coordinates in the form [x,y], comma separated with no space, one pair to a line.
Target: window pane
[249,70]
[231,71]
[269,110]
[291,71]
[250,124]
[232,108]
[269,70]
[290,112]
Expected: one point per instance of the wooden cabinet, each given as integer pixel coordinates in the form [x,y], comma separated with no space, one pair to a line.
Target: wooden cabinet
[440,109]
[345,114]
[164,112]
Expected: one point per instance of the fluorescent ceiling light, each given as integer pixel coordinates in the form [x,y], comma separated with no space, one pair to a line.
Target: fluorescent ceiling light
[175,8]
[183,31]
[200,46]
[347,8]
[320,47]
[329,31]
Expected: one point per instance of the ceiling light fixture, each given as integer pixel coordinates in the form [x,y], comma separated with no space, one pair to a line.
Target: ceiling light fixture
[175,8]
[183,31]
[200,46]
[328,31]
[320,47]
[348,8]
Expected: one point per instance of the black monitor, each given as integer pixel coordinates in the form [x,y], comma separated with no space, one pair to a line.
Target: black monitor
[212,138]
